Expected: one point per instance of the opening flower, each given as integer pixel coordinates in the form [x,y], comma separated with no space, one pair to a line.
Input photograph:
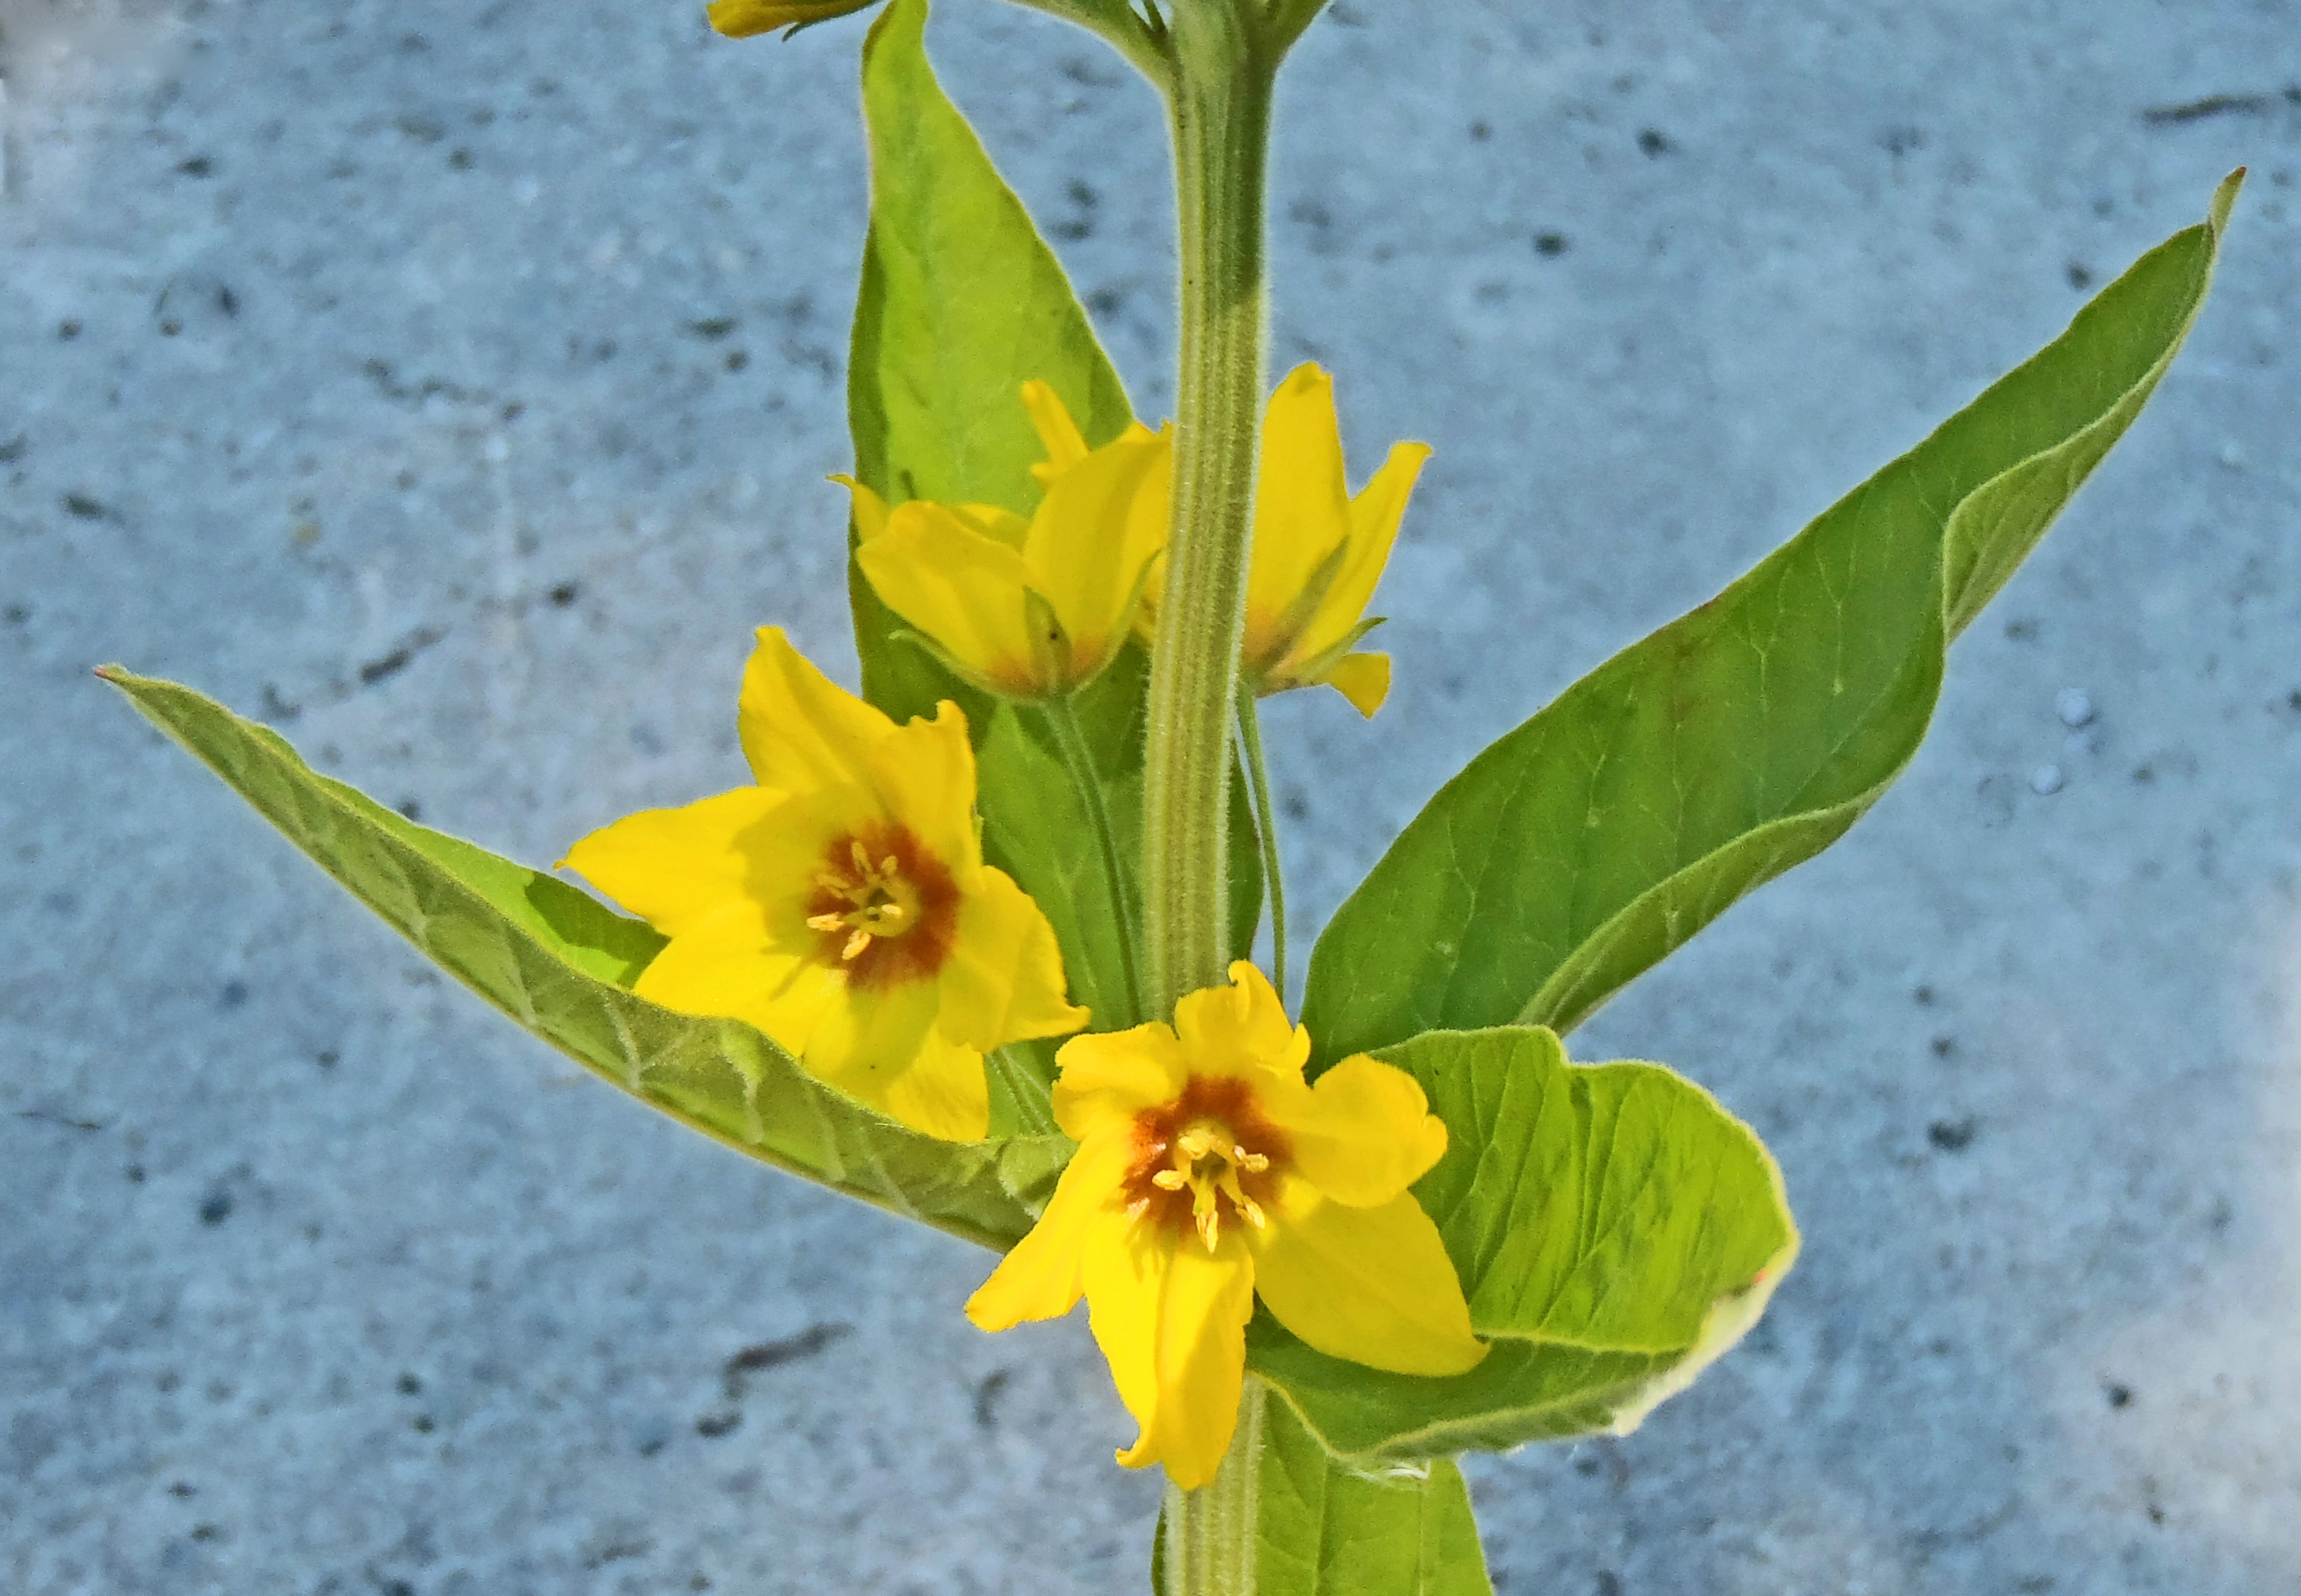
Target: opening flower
[1208,1171]
[842,906]
[1317,550]
[1034,608]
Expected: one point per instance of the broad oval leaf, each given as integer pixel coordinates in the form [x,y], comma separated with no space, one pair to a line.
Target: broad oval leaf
[559,962]
[1323,1528]
[1745,737]
[1616,1229]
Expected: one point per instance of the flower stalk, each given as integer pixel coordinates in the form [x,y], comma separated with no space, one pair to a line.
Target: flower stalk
[1221,67]
[1265,828]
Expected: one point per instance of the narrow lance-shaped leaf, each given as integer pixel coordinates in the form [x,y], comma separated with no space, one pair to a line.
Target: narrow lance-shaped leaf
[962,302]
[1747,736]
[1615,1230]
[1323,1528]
[559,962]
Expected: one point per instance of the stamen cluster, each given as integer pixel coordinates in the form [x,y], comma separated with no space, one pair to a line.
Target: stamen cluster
[1209,1155]
[884,906]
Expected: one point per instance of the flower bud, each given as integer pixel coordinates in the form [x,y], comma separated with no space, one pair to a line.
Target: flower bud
[741,19]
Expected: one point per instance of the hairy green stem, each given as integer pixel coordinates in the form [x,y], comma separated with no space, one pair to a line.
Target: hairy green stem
[1219,102]
[1210,1543]
[1266,827]
[1062,720]
[1222,57]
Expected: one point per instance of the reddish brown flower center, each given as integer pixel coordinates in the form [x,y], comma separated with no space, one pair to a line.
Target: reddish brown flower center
[885,908]
[1208,1158]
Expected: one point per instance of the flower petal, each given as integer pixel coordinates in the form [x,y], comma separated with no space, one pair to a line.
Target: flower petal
[944,1092]
[960,586]
[870,510]
[923,771]
[1003,979]
[800,729]
[883,1047]
[1301,507]
[1109,1079]
[730,963]
[674,866]
[1364,679]
[1374,519]
[1094,532]
[1042,1277]
[1372,1285]
[1171,1318]
[1363,1133]
[1058,433]
[1242,1030]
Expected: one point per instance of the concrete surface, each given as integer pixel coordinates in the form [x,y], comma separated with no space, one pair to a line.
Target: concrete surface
[453,384]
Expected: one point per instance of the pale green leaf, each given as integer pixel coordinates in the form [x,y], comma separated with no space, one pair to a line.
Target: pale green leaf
[1748,735]
[559,963]
[1615,1230]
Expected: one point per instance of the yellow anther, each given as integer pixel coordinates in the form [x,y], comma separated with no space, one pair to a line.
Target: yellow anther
[1253,1163]
[1170,1180]
[855,944]
[887,867]
[1252,1211]
[855,850]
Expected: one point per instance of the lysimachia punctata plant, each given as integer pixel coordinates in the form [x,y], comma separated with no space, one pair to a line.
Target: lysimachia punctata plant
[976,946]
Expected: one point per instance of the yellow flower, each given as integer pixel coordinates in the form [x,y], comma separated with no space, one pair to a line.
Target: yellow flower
[1208,1171]
[741,18]
[842,906]
[1033,608]
[1318,551]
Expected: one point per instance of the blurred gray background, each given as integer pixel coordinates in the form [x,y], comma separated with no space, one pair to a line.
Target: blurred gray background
[452,385]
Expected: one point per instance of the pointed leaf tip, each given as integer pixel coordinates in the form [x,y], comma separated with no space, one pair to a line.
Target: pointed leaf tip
[2217,214]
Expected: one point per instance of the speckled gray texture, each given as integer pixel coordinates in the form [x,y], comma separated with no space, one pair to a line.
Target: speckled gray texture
[452,383]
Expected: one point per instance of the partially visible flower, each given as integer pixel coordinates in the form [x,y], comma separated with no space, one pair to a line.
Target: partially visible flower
[1028,609]
[741,19]
[842,906]
[1208,1171]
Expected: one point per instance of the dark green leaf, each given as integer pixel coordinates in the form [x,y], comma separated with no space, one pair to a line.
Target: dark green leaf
[1745,737]
[559,963]
[1615,1229]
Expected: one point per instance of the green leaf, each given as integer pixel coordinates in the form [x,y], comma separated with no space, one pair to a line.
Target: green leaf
[1747,736]
[1041,836]
[559,963]
[961,303]
[1615,1230]
[1324,1529]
